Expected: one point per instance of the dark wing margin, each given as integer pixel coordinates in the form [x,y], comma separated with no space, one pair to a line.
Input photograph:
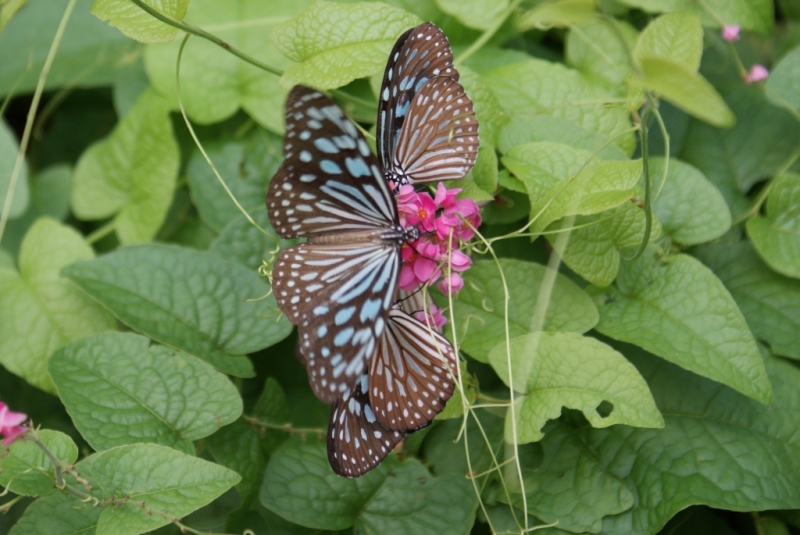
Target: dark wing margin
[357,442]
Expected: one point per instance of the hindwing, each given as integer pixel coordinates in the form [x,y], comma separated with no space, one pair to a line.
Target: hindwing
[357,442]
[413,373]
[339,296]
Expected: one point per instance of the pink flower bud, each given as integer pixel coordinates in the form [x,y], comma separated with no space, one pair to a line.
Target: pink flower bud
[730,33]
[758,73]
[452,283]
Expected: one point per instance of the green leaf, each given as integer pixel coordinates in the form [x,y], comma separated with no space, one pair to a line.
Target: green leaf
[718,448]
[478,14]
[568,484]
[27,471]
[190,300]
[137,23]
[749,14]
[131,174]
[57,513]
[559,369]
[564,181]
[479,310]
[244,167]
[238,447]
[151,486]
[25,44]
[120,390]
[784,80]
[689,207]
[214,82]
[600,50]
[484,173]
[594,249]
[677,309]
[9,148]
[537,87]
[334,44]
[685,89]
[676,36]
[770,302]
[40,311]
[50,191]
[393,498]
[558,13]
[241,242]
[491,116]
[521,130]
[776,235]
[735,159]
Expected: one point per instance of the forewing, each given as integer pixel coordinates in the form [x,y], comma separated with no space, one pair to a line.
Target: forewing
[339,296]
[413,373]
[357,442]
[418,55]
[440,137]
[329,181]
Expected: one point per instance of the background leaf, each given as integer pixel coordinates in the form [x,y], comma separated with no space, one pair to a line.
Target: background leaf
[770,302]
[9,147]
[333,43]
[137,24]
[214,83]
[169,483]
[27,471]
[479,310]
[392,498]
[190,300]
[776,235]
[40,311]
[677,309]
[143,147]
[119,391]
[554,370]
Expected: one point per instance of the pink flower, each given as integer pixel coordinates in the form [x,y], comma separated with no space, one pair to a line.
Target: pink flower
[434,318]
[730,33]
[758,73]
[446,197]
[443,221]
[459,261]
[10,426]
[452,283]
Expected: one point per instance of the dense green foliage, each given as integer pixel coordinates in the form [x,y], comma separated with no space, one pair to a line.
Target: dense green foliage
[629,331]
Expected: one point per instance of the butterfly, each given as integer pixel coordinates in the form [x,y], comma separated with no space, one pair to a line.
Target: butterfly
[409,381]
[426,127]
[339,286]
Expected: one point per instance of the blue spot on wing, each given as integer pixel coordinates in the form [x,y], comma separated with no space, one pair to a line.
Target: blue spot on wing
[330,167]
[357,167]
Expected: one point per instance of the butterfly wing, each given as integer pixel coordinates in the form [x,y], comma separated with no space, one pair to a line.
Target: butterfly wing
[418,55]
[357,442]
[412,374]
[440,138]
[339,296]
[329,181]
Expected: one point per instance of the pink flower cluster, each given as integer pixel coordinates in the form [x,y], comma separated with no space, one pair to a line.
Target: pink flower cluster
[10,424]
[442,221]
